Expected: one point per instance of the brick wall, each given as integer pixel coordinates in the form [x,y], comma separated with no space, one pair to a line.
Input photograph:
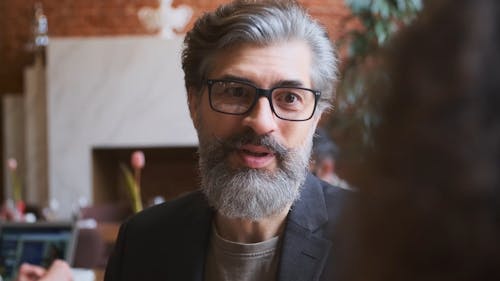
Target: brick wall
[102,18]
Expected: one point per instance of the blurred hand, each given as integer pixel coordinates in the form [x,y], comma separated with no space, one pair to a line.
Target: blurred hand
[29,272]
[58,271]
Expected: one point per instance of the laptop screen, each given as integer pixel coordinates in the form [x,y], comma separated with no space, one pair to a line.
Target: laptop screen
[35,243]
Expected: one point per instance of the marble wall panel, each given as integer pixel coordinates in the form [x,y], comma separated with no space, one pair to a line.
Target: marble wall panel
[35,108]
[110,92]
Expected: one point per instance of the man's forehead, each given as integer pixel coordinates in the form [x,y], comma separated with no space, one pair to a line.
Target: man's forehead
[271,65]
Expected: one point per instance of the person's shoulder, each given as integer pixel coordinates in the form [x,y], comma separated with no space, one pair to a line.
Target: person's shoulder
[172,212]
[331,190]
[335,196]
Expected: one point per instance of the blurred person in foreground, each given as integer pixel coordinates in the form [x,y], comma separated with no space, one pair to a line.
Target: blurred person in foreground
[259,75]
[430,194]
[324,159]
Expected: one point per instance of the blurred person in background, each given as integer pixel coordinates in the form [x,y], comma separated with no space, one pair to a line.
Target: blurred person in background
[324,158]
[430,193]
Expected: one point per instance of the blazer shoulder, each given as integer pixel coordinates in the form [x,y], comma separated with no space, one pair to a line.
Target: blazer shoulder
[337,198]
[330,192]
[183,208]
[163,242]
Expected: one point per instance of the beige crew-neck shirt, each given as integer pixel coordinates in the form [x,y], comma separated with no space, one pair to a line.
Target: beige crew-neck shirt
[232,261]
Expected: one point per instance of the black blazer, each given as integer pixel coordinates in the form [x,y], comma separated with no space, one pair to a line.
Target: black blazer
[169,241]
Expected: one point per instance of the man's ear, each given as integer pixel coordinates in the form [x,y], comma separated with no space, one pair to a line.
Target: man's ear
[193,103]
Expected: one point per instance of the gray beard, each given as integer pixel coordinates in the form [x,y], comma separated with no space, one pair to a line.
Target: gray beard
[248,193]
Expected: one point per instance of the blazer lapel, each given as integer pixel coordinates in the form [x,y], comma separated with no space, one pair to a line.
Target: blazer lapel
[196,250]
[304,251]
[194,244]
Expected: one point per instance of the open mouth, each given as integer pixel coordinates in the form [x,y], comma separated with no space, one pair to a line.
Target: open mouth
[256,150]
[256,156]
[256,153]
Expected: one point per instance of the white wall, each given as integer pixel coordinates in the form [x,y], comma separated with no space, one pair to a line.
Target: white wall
[117,92]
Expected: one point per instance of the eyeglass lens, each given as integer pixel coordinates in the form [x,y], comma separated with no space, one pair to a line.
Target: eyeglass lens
[238,98]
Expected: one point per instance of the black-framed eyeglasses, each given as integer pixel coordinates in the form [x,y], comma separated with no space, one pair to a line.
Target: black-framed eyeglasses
[239,98]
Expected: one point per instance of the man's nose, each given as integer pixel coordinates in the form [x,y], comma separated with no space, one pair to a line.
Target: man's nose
[261,118]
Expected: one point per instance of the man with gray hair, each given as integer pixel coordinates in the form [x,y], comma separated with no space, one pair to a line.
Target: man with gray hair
[259,74]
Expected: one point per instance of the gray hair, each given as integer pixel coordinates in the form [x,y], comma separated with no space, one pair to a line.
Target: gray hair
[259,22]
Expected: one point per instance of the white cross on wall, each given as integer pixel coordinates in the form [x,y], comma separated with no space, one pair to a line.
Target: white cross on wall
[165,18]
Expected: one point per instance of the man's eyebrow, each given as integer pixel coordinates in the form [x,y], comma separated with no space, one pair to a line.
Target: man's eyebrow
[289,83]
[236,78]
[281,83]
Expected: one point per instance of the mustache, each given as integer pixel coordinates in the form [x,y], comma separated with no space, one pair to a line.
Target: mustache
[235,142]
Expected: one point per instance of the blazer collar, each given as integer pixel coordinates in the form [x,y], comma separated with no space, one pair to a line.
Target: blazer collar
[305,251]
[309,211]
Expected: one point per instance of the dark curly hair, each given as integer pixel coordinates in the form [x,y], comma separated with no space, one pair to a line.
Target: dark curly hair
[429,206]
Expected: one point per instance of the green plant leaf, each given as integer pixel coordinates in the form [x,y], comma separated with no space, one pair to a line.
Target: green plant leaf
[358,6]
[356,109]
[16,187]
[132,189]
[381,8]
[382,32]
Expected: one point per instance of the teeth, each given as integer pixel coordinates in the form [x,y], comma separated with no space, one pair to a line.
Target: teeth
[259,154]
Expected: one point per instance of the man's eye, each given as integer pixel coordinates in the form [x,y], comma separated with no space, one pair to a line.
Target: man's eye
[236,91]
[290,98]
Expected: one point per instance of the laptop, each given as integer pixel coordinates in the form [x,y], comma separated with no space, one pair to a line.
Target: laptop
[35,243]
